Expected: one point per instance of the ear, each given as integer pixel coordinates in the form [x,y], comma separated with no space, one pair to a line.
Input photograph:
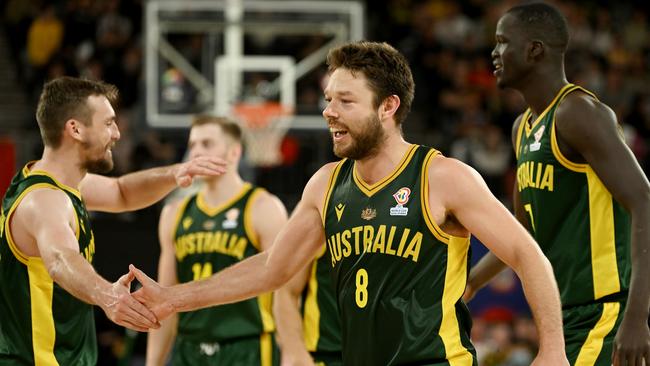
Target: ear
[235,152]
[389,107]
[74,129]
[536,49]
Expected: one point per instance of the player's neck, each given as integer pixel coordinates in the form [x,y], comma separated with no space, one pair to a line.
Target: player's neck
[542,89]
[220,189]
[379,166]
[62,164]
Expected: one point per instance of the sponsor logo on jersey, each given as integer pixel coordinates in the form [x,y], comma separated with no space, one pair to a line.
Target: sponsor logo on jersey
[538,136]
[231,219]
[209,349]
[368,213]
[339,211]
[402,198]
[187,222]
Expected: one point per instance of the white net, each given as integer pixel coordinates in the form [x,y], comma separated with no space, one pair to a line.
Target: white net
[264,126]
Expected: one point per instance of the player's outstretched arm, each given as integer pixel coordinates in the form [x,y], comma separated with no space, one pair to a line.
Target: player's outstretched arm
[140,189]
[47,216]
[465,197]
[296,244]
[159,341]
[590,129]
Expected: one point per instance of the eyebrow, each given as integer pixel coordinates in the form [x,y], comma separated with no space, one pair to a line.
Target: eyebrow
[111,118]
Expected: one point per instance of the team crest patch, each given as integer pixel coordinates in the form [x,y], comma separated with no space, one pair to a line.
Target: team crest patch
[368,213]
[231,219]
[209,349]
[538,136]
[402,198]
[209,224]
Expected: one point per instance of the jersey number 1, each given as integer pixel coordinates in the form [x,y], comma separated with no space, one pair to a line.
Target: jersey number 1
[529,209]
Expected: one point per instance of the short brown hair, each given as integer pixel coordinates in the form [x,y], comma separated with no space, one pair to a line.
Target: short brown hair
[228,126]
[386,69]
[65,98]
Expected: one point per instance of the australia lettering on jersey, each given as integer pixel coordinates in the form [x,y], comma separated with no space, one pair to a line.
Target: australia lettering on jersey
[532,174]
[389,240]
[210,242]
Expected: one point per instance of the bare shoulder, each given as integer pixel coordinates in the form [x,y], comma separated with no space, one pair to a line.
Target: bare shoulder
[450,172]
[515,129]
[317,186]
[267,203]
[170,209]
[43,202]
[580,113]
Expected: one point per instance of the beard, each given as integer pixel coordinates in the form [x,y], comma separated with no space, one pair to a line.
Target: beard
[363,144]
[97,166]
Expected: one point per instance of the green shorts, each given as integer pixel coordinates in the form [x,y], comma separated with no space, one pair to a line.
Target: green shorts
[250,351]
[327,358]
[589,332]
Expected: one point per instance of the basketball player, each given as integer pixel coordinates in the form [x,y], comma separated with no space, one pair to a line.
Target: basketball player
[579,191]
[46,242]
[226,221]
[396,219]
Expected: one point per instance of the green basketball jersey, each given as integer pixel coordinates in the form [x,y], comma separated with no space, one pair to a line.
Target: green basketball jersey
[582,230]
[41,323]
[398,277]
[207,240]
[321,321]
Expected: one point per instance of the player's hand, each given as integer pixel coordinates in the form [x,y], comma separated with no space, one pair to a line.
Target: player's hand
[151,294]
[632,343]
[207,166]
[121,308]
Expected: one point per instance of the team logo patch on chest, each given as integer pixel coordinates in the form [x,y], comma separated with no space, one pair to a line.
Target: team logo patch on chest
[231,219]
[368,213]
[538,136]
[402,198]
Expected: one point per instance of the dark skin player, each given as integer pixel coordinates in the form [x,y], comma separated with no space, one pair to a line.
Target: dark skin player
[531,61]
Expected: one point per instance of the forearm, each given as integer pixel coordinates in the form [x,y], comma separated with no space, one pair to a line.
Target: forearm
[543,297]
[488,267]
[289,325]
[72,272]
[145,187]
[638,302]
[159,341]
[241,281]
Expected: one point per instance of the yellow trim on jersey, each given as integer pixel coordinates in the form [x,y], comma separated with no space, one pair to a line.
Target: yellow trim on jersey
[265,303]
[603,239]
[330,187]
[248,220]
[455,282]
[41,289]
[27,172]
[531,127]
[555,147]
[266,349]
[23,258]
[179,214]
[520,131]
[371,189]
[311,318]
[212,211]
[424,202]
[594,343]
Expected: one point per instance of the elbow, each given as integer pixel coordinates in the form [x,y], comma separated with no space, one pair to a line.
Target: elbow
[55,266]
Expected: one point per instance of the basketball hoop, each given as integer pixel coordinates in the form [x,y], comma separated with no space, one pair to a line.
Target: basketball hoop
[265,125]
